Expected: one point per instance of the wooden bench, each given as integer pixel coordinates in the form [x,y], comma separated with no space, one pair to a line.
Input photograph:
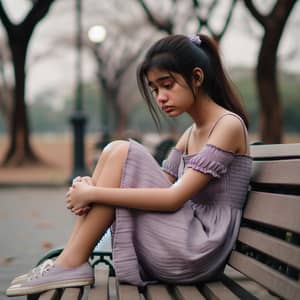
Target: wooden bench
[266,261]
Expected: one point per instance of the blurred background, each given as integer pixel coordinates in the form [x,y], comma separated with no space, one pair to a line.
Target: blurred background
[68,87]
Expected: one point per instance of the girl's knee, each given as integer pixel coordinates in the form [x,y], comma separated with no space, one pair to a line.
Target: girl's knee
[119,148]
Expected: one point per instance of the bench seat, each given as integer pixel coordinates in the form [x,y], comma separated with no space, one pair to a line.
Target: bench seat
[265,263]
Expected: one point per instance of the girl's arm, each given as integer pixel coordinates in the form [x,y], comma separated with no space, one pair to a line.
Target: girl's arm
[228,135]
[154,199]
[180,145]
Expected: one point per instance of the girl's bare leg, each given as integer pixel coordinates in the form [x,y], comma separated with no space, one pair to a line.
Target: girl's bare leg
[95,177]
[90,228]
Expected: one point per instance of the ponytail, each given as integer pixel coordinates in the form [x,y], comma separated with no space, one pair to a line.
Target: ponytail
[219,86]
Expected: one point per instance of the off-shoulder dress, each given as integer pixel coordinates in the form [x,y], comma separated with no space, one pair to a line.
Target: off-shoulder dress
[193,243]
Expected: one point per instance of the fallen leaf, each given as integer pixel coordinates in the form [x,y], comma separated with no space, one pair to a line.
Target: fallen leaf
[6,260]
[35,213]
[47,245]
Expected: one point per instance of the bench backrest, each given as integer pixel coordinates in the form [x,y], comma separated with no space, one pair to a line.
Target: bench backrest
[268,248]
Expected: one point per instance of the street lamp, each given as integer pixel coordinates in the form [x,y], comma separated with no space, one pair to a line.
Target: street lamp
[78,119]
[97,35]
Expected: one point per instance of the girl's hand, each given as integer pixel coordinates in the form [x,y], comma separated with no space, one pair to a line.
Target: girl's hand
[77,196]
[87,179]
[84,210]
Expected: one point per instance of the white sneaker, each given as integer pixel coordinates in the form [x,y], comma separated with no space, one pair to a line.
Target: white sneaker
[52,276]
[23,277]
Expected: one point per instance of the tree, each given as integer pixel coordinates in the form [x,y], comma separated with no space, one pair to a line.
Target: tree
[273,23]
[195,12]
[20,151]
[110,75]
[5,91]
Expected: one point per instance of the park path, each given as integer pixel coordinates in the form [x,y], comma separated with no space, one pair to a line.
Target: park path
[32,221]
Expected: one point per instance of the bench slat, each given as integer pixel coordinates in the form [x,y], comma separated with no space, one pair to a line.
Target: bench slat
[276,172]
[274,151]
[272,246]
[100,289]
[274,209]
[49,295]
[71,294]
[243,287]
[158,292]
[272,280]
[128,292]
[112,287]
[187,293]
[218,291]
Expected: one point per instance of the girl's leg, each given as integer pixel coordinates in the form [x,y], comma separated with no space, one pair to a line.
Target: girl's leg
[90,228]
[95,177]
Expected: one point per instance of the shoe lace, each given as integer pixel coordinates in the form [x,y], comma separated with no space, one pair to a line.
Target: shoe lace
[42,269]
[37,269]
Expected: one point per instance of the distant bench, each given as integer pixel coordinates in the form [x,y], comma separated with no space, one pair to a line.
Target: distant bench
[266,260]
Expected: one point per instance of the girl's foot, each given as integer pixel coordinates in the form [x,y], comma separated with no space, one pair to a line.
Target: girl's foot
[52,276]
[23,277]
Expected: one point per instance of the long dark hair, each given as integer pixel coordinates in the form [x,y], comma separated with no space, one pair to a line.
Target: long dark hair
[179,54]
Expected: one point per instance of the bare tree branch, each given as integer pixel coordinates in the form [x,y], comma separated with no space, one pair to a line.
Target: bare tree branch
[204,21]
[166,26]
[255,13]
[37,13]
[4,18]
[227,21]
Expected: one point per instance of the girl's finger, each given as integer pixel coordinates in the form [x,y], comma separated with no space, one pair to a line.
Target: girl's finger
[69,206]
[76,179]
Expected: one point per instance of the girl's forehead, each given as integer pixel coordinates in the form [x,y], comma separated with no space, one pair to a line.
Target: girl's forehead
[154,74]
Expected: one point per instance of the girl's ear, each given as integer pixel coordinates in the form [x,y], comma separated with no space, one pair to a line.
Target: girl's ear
[198,77]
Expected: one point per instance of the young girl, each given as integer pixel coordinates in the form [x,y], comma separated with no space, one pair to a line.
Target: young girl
[176,223]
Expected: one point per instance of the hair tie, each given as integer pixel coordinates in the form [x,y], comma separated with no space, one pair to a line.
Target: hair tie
[195,39]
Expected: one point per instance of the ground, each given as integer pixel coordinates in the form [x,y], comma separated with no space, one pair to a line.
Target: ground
[57,152]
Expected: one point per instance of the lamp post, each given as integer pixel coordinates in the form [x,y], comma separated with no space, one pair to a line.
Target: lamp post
[78,119]
[97,35]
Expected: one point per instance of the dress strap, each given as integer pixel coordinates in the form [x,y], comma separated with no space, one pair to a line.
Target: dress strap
[188,140]
[239,118]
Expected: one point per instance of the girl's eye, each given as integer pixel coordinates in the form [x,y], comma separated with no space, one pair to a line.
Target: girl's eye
[154,92]
[168,85]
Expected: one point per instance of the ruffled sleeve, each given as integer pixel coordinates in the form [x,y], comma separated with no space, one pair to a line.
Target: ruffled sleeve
[211,160]
[171,164]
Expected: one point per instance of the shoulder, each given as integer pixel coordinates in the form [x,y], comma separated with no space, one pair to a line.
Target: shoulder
[181,144]
[230,134]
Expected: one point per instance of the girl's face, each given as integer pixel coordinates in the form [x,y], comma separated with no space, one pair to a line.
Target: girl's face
[171,92]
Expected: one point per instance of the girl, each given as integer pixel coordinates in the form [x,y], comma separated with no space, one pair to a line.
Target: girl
[178,223]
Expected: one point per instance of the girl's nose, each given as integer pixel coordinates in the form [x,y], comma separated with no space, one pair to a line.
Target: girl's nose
[162,98]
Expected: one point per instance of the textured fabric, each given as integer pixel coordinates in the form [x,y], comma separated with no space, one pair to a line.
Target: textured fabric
[193,243]
[171,164]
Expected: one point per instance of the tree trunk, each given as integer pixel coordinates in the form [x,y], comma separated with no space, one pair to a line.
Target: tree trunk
[6,105]
[271,113]
[271,120]
[20,151]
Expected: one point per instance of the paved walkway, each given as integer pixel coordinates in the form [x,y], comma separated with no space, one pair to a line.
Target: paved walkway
[32,221]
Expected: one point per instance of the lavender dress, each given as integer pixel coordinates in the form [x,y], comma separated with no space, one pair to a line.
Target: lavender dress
[193,243]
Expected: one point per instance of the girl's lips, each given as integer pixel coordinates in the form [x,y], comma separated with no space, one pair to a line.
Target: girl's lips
[167,108]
